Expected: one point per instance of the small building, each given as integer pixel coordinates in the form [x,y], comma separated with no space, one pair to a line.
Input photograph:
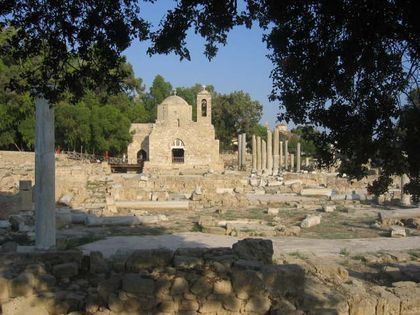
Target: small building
[175,141]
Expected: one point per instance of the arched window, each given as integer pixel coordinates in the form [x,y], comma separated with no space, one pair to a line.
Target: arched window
[204,108]
[177,143]
[177,150]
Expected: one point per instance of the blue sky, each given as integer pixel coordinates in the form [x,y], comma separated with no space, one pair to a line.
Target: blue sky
[240,65]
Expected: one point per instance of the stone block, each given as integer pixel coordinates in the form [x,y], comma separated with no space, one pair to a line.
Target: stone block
[338,197]
[109,286]
[188,305]
[206,220]
[397,231]
[187,262]
[283,280]
[254,249]
[310,220]
[137,284]
[97,263]
[232,303]
[179,286]
[220,190]
[202,287]
[211,307]
[66,270]
[245,283]
[326,192]
[328,208]
[66,199]
[223,286]
[148,258]
[273,211]
[214,230]
[254,182]
[258,304]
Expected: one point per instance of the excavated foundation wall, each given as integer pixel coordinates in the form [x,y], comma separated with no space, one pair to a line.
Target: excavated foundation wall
[91,186]
[237,280]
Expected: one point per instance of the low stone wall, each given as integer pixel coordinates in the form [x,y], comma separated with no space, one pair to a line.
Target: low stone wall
[237,280]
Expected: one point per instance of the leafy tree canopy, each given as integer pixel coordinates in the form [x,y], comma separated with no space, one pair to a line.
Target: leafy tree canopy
[84,37]
[341,66]
[234,113]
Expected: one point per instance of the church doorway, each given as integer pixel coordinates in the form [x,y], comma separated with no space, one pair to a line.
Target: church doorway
[141,156]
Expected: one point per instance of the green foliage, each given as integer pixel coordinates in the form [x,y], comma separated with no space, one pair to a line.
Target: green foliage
[159,90]
[97,32]
[196,227]
[17,125]
[232,114]
[259,131]
[344,252]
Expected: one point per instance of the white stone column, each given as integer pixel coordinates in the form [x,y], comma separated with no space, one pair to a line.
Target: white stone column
[286,155]
[263,156]
[44,175]
[276,152]
[259,155]
[269,152]
[405,198]
[292,162]
[306,162]
[243,147]
[281,158]
[239,151]
[254,153]
[298,157]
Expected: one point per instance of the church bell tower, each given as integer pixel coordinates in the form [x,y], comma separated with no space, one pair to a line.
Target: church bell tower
[204,106]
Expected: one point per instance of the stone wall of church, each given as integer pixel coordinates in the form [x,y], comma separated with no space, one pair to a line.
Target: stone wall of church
[140,141]
[200,146]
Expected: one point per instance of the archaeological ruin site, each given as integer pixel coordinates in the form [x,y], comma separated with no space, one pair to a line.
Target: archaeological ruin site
[256,231]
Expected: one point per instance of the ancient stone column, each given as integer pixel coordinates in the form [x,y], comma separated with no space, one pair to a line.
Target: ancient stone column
[276,152]
[286,155]
[269,152]
[239,151]
[405,198]
[254,153]
[263,156]
[306,162]
[44,175]
[281,159]
[298,158]
[292,162]
[243,148]
[259,155]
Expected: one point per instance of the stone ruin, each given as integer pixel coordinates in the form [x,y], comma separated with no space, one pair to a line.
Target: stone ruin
[237,280]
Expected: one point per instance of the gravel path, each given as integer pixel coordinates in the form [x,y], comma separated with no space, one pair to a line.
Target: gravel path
[320,247]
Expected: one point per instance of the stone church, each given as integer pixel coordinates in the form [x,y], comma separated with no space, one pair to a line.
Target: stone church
[175,141]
